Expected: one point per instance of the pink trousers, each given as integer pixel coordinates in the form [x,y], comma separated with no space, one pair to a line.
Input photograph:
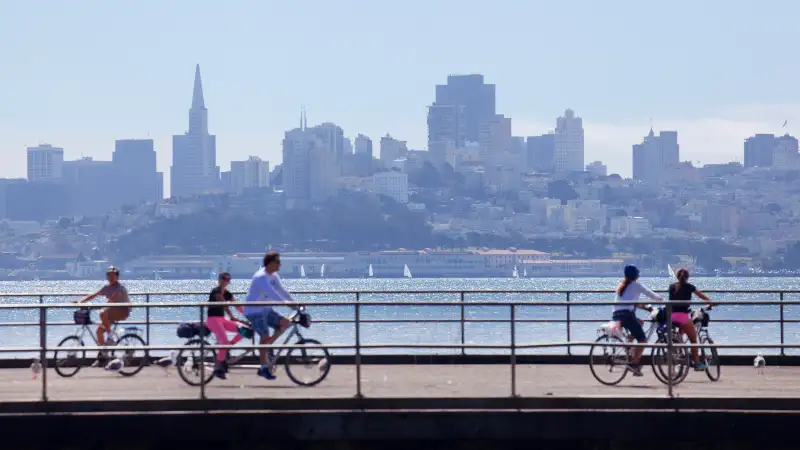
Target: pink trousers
[220,327]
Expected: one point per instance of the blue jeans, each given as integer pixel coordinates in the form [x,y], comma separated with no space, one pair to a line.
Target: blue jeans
[263,320]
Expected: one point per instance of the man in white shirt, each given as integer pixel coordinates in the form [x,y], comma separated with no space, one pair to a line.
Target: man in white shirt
[266,287]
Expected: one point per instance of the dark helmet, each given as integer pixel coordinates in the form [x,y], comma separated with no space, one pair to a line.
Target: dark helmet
[112,269]
[631,272]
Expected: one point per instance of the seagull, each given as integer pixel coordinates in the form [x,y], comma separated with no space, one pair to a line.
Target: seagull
[759,363]
[36,367]
[115,365]
[168,360]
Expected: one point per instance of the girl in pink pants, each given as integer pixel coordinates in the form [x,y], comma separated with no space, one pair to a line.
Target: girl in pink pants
[221,325]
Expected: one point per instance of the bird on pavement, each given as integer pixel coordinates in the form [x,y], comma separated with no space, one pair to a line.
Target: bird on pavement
[759,364]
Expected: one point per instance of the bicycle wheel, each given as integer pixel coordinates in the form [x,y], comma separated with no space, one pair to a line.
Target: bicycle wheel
[710,356]
[68,362]
[307,366]
[194,368]
[133,361]
[608,360]
[680,363]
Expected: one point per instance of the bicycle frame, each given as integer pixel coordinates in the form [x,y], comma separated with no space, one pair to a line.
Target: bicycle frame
[83,330]
[292,332]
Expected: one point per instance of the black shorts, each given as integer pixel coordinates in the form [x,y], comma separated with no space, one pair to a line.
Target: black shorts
[631,323]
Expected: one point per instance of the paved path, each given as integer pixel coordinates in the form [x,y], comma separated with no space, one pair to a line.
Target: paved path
[398,381]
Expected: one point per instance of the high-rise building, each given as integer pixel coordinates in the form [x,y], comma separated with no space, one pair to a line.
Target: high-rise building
[136,174]
[252,173]
[45,163]
[654,156]
[785,153]
[758,150]
[392,184]
[541,153]
[446,128]
[569,154]
[477,98]
[495,134]
[194,154]
[309,167]
[392,149]
[95,187]
[362,157]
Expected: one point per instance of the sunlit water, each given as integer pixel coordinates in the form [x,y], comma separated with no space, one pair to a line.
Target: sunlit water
[482,329]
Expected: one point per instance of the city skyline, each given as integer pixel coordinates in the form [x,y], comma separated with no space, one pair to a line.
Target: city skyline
[84,104]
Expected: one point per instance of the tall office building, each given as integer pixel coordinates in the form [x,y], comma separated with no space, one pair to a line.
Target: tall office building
[309,168]
[446,128]
[331,136]
[362,157]
[94,187]
[45,163]
[392,149]
[495,134]
[785,153]
[654,156]
[135,166]
[569,154]
[541,153]
[252,173]
[194,154]
[477,98]
[762,150]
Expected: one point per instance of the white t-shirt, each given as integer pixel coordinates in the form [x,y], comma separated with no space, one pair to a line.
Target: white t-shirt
[632,293]
[265,287]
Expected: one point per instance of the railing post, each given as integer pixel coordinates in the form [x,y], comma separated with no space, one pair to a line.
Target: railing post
[358,346]
[463,318]
[43,345]
[669,349]
[569,326]
[783,350]
[513,352]
[147,318]
[202,354]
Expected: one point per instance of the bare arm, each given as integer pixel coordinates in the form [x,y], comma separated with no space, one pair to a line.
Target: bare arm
[702,296]
[89,297]
[287,297]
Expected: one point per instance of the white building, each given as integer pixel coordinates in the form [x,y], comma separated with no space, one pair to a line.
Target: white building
[45,163]
[494,135]
[252,173]
[391,184]
[392,149]
[569,143]
[597,168]
[630,226]
[194,168]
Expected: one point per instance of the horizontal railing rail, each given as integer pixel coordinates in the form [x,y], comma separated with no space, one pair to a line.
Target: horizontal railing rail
[360,305]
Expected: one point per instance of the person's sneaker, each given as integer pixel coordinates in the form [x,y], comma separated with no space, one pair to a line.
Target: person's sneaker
[220,373]
[265,373]
[701,366]
[635,369]
[272,361]
[224,366]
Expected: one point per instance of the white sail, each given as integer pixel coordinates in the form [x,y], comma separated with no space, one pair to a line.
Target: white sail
[302,271]
[322,271]
[370,271]
[525,273]
[515,273]
[156,275]
[406,271]
[671,272]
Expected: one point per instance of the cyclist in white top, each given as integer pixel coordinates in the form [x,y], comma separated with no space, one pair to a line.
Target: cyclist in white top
[266,287]
[627,291]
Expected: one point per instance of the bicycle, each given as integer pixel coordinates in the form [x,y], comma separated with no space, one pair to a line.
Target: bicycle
[195,368]
[700,319]
[131,365]
[619,358]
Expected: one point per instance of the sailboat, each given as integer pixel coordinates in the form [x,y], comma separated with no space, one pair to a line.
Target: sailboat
[302,271]
[406,271]
[671,272]
[322,271]
[156,275]
[212,275]
[515,273]
[524,273]
[370,271]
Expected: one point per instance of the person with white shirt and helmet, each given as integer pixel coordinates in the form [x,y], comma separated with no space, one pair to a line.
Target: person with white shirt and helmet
[625,313]
[266,287]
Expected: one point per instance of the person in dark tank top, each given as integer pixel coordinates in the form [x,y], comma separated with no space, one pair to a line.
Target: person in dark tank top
[681,293]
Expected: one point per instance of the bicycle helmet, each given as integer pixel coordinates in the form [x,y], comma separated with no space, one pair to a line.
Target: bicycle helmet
[631,272]
[112,269]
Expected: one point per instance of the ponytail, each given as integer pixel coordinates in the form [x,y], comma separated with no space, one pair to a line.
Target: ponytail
[683,277]
[624,285]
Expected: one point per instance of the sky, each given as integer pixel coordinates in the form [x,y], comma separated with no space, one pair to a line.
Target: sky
[79,74]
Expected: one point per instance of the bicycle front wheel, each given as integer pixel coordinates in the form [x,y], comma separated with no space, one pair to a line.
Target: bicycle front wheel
[133,361]
[710,356]
[680,363]
[194,367]
[68,361]
[609,364]
[307,366]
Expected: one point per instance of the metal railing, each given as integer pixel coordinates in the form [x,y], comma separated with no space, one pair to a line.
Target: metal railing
[359,303]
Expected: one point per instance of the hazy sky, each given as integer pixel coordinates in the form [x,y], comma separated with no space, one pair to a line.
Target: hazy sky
[82,73]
